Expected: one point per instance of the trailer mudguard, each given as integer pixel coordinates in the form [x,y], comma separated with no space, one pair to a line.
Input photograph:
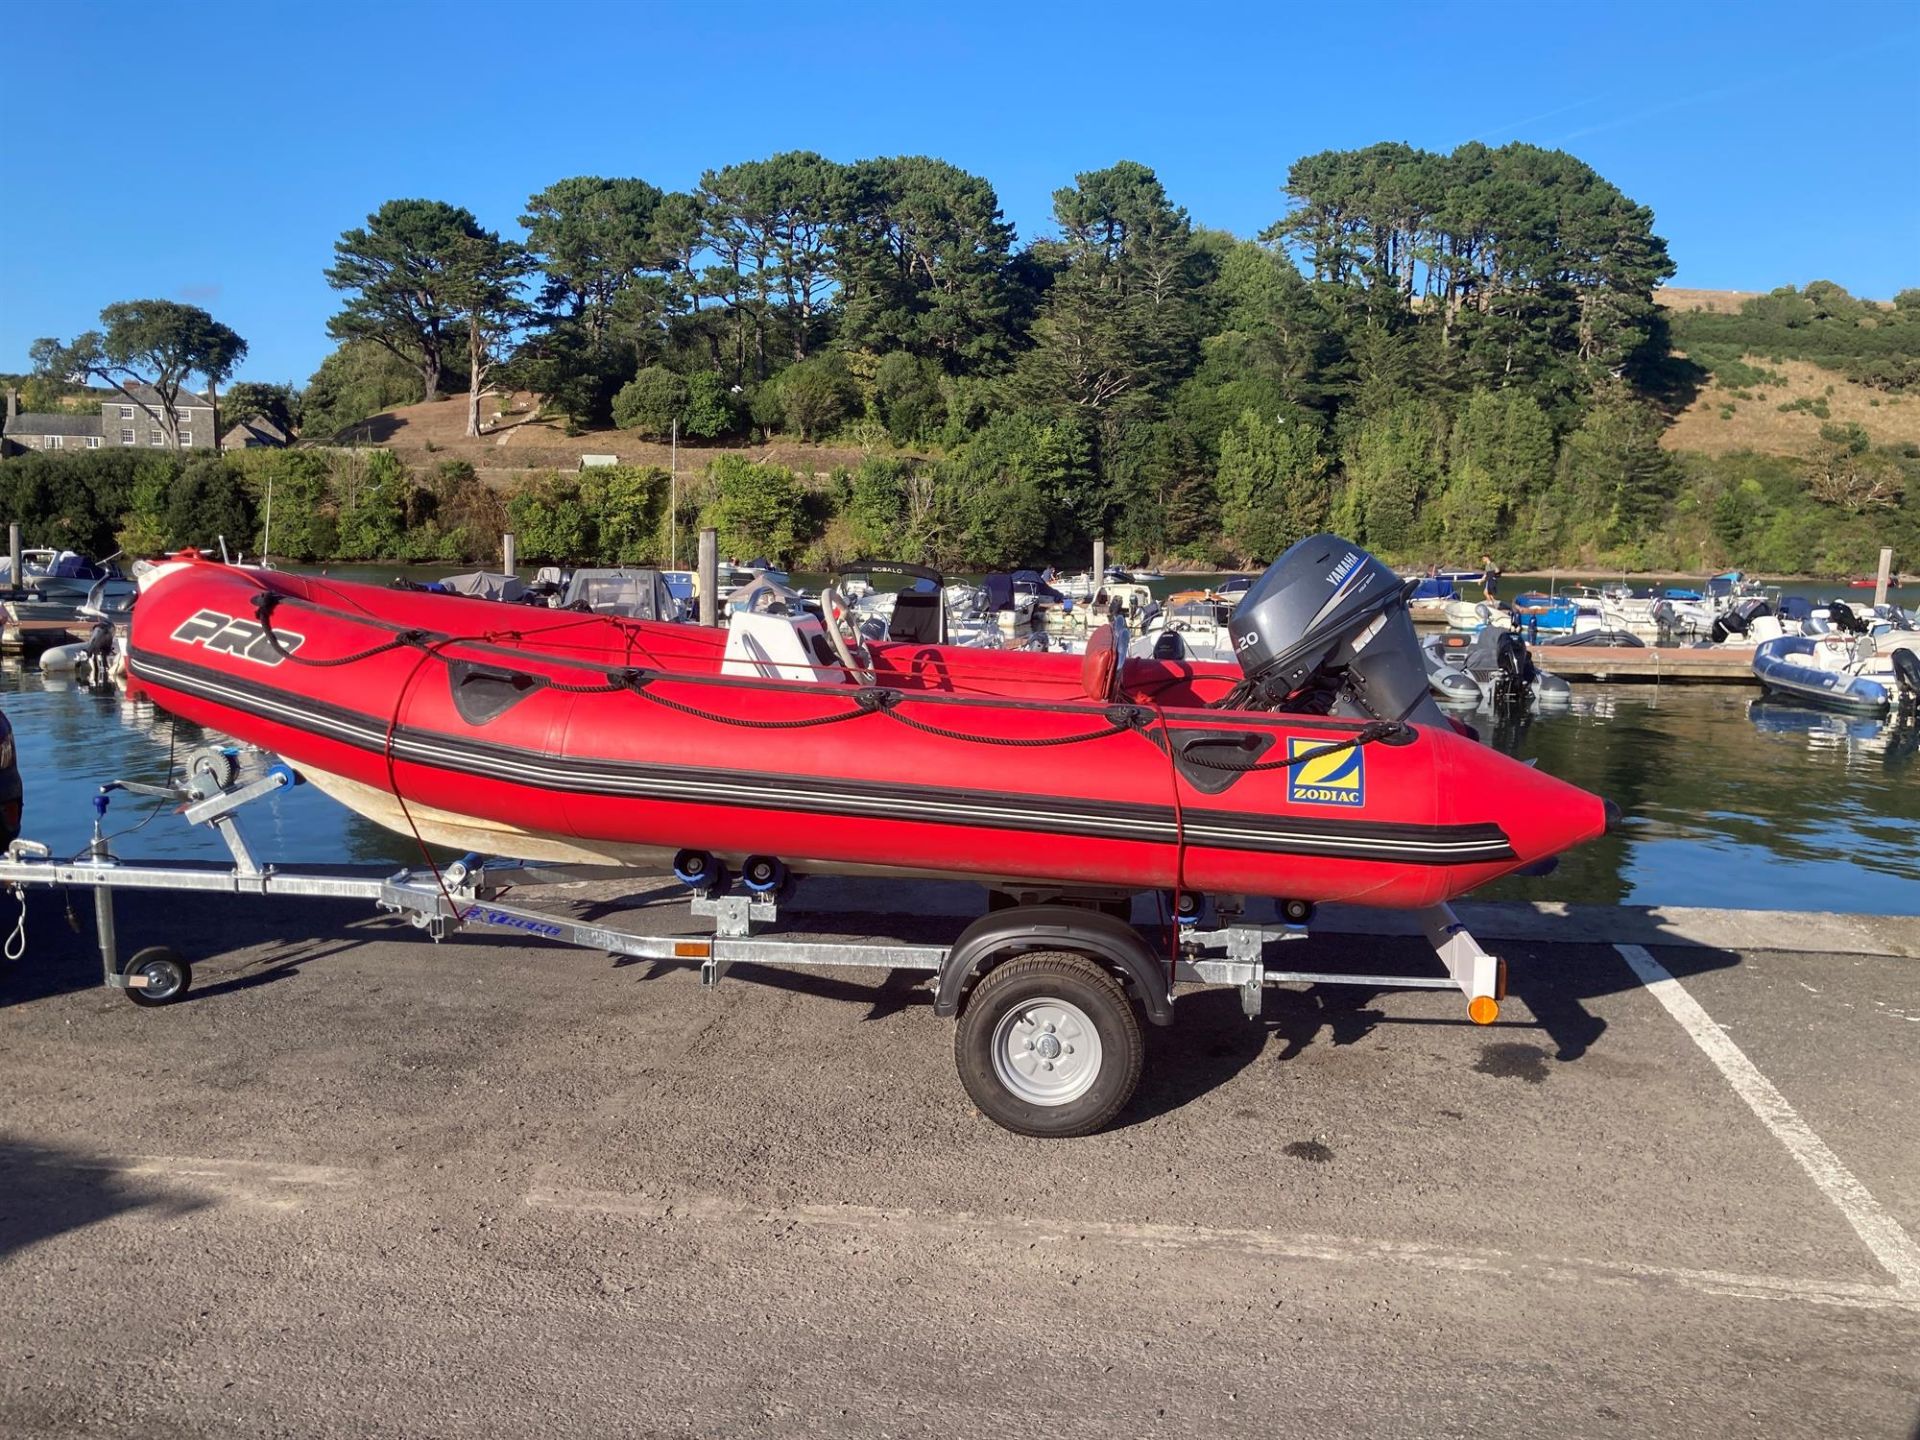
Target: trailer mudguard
[1110,941]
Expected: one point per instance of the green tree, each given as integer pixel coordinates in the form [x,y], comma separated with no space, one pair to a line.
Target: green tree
[907,397]
[1616,476]
[357,380]
[923,265]
[605,248]
[712,411]
[1019,490]
[550,520]
[305,518]
[376,520]
[407,277]
[626,504]
[1394,462]
[651,402]
[208,504]
[595,239]
[770,226]
[485,293]
[1118,327]
[143,526]
[1272,483]
[279,403]
[758,509]
[156,344]
[877,505]
[816,395]
[1502,457]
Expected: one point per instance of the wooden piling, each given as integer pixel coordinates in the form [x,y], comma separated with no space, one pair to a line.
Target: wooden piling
[707,577]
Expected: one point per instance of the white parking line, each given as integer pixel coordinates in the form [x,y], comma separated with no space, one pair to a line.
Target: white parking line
[918,1228]
[1891,1245]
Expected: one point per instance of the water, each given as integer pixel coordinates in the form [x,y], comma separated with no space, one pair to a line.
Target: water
[1731,800]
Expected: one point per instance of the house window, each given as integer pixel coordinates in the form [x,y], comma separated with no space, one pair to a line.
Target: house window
[93,442]
[126,412]
[54,442]
[186,439]
[126,435]
[185,417]
[154,437]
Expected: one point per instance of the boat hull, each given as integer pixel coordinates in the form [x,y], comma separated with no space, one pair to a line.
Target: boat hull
[550,735]
[1787,667]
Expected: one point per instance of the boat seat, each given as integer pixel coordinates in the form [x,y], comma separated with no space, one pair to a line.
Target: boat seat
[916,618]
[1102,668]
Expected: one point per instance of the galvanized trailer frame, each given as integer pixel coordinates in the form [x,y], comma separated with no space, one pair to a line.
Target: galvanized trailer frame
[1049,926]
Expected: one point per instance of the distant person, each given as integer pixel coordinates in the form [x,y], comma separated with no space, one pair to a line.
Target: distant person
[1433,572]
[1490,577]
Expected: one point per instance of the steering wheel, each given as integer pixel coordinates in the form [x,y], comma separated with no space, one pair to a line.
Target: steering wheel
[847,643]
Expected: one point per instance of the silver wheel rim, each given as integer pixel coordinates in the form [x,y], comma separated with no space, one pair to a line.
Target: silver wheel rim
[162,978]
[1046,1052]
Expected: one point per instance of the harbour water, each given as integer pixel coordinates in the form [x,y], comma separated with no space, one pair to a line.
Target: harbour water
[1730,800]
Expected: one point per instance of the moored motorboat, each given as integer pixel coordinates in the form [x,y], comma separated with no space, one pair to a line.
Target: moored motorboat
[1500,667]
[1450,683]
[1831,671]
[1316,769]
[1429,598]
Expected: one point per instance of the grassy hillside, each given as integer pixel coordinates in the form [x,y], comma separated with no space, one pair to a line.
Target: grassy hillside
[521,440]
[1780,407]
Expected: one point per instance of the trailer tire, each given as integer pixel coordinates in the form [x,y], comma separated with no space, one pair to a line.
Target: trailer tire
[168,976]
[1049,1046]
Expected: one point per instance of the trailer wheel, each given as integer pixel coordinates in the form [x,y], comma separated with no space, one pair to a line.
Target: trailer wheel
[1048,1045]
[167,975]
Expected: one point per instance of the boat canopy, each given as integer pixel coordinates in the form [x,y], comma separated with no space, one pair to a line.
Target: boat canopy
[481,585]
[1002,588]
[636,594]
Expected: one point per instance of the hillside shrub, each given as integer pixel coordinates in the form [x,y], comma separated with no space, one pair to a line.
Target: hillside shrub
[651,402]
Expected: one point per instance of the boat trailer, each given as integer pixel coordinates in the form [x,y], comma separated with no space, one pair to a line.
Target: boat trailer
[1048,990]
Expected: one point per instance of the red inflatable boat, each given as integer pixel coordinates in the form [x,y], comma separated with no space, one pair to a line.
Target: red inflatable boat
[550,735]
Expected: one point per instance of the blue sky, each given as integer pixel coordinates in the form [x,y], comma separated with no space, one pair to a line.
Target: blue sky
[1775,142]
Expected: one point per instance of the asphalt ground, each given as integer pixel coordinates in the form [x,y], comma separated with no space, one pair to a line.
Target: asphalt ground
[361,1184]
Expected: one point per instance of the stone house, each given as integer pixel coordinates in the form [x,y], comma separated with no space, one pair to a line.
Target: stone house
[259,433]
[132,419]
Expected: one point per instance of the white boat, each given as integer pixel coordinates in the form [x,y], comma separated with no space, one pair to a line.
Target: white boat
[1184,629]
[1473,616]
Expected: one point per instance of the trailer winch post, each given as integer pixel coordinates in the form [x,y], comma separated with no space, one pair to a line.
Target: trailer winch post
[103,898]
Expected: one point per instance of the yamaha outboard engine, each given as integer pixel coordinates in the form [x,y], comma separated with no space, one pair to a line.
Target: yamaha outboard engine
[1503,665]
[1326,629]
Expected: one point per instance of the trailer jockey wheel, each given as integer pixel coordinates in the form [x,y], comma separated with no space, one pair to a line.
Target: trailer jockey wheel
[167,976]
[1049,1045]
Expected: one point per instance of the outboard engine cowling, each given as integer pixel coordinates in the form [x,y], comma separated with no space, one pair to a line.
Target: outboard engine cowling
[1329,622]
